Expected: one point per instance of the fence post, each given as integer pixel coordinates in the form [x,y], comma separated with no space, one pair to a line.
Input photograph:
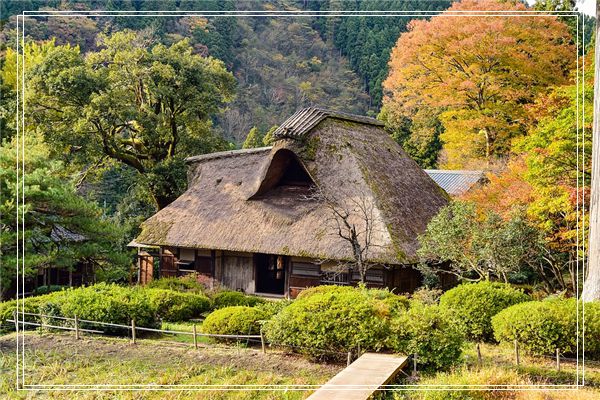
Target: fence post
[479,359]
[16,321]
[414,372]
[76,328]
[349,359]
[262,341]
[133,331]
[517,360]
[195,337]
[557,359]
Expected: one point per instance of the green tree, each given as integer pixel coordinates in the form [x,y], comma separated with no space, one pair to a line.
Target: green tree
[479,247]
[60,228]
[141,104]
[477,77]
[253,139]
[268,139]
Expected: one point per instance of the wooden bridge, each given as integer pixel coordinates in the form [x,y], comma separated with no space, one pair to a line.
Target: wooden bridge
[362,378]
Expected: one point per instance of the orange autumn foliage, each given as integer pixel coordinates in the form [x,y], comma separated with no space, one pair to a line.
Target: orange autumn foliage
[503,192]
[477,74]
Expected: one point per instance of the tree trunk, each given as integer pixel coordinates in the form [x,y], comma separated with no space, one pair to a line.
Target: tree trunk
[591,287]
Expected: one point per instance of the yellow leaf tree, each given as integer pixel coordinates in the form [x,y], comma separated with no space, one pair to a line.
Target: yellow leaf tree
[477,74]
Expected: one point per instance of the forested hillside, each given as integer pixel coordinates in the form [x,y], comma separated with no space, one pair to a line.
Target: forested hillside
[367,40]
[280,64]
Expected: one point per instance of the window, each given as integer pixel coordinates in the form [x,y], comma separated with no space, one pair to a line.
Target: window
[373,275]
[305,269]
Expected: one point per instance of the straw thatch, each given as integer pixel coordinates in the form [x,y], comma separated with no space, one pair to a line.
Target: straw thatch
[233,201]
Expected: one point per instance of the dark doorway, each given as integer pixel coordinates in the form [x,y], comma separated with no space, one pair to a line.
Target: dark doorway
[270,273]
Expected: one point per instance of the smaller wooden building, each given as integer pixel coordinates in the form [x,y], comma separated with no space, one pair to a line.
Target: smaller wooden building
[249,222]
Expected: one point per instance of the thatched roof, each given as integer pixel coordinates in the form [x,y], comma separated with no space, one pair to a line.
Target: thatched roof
[456,182]
[234,201]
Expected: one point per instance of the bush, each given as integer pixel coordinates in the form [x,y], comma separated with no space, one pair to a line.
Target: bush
[48,289]
[431,333]
[474,305]
[235,320]
[271,308]
[541,327]
[31,305]
[187,283]
[331,319]
[108,303]
[229,298]
[177,306]
[427,295]
[320,290]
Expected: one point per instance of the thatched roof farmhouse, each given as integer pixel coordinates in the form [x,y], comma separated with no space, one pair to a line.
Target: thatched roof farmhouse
[263,221]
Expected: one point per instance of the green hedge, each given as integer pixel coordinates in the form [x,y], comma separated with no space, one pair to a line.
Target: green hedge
[430,332]
[334,319]
[235,320]
[541,327]
[177,306]
[229,298]
[474,305]
[48,289]
[108,303]
[187,283]
[113,304]
[31,305]
[271,308]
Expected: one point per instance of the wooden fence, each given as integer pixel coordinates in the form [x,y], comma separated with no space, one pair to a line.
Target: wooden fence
[134,329]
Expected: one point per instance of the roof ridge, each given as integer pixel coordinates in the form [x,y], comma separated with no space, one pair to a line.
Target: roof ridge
[227,153]
[303,120]
[455,171]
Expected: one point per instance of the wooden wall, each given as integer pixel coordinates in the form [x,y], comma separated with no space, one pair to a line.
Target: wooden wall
[235,271]
[403,279]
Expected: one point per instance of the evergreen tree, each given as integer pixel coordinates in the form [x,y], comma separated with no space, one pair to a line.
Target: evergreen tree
[61,228]
[253,139]
[268,139]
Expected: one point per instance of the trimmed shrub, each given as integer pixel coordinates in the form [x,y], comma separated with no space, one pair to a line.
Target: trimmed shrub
[474,305]
[235,320]
[270,308]
[177,306]
[395,303]
[320,290]
[108,303]
[431,333]
[31,305]
[229,298]
[331,319]
[541,327]
[187,283]
[427,295]
[48,289]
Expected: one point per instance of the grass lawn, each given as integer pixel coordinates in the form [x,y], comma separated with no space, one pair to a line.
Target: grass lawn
[59,359]
[499,368]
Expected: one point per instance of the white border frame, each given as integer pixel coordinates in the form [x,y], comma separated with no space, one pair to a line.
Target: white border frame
[20,348]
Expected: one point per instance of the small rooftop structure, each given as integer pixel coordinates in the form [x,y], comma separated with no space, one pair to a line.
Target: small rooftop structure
[456,182]
[299,124]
